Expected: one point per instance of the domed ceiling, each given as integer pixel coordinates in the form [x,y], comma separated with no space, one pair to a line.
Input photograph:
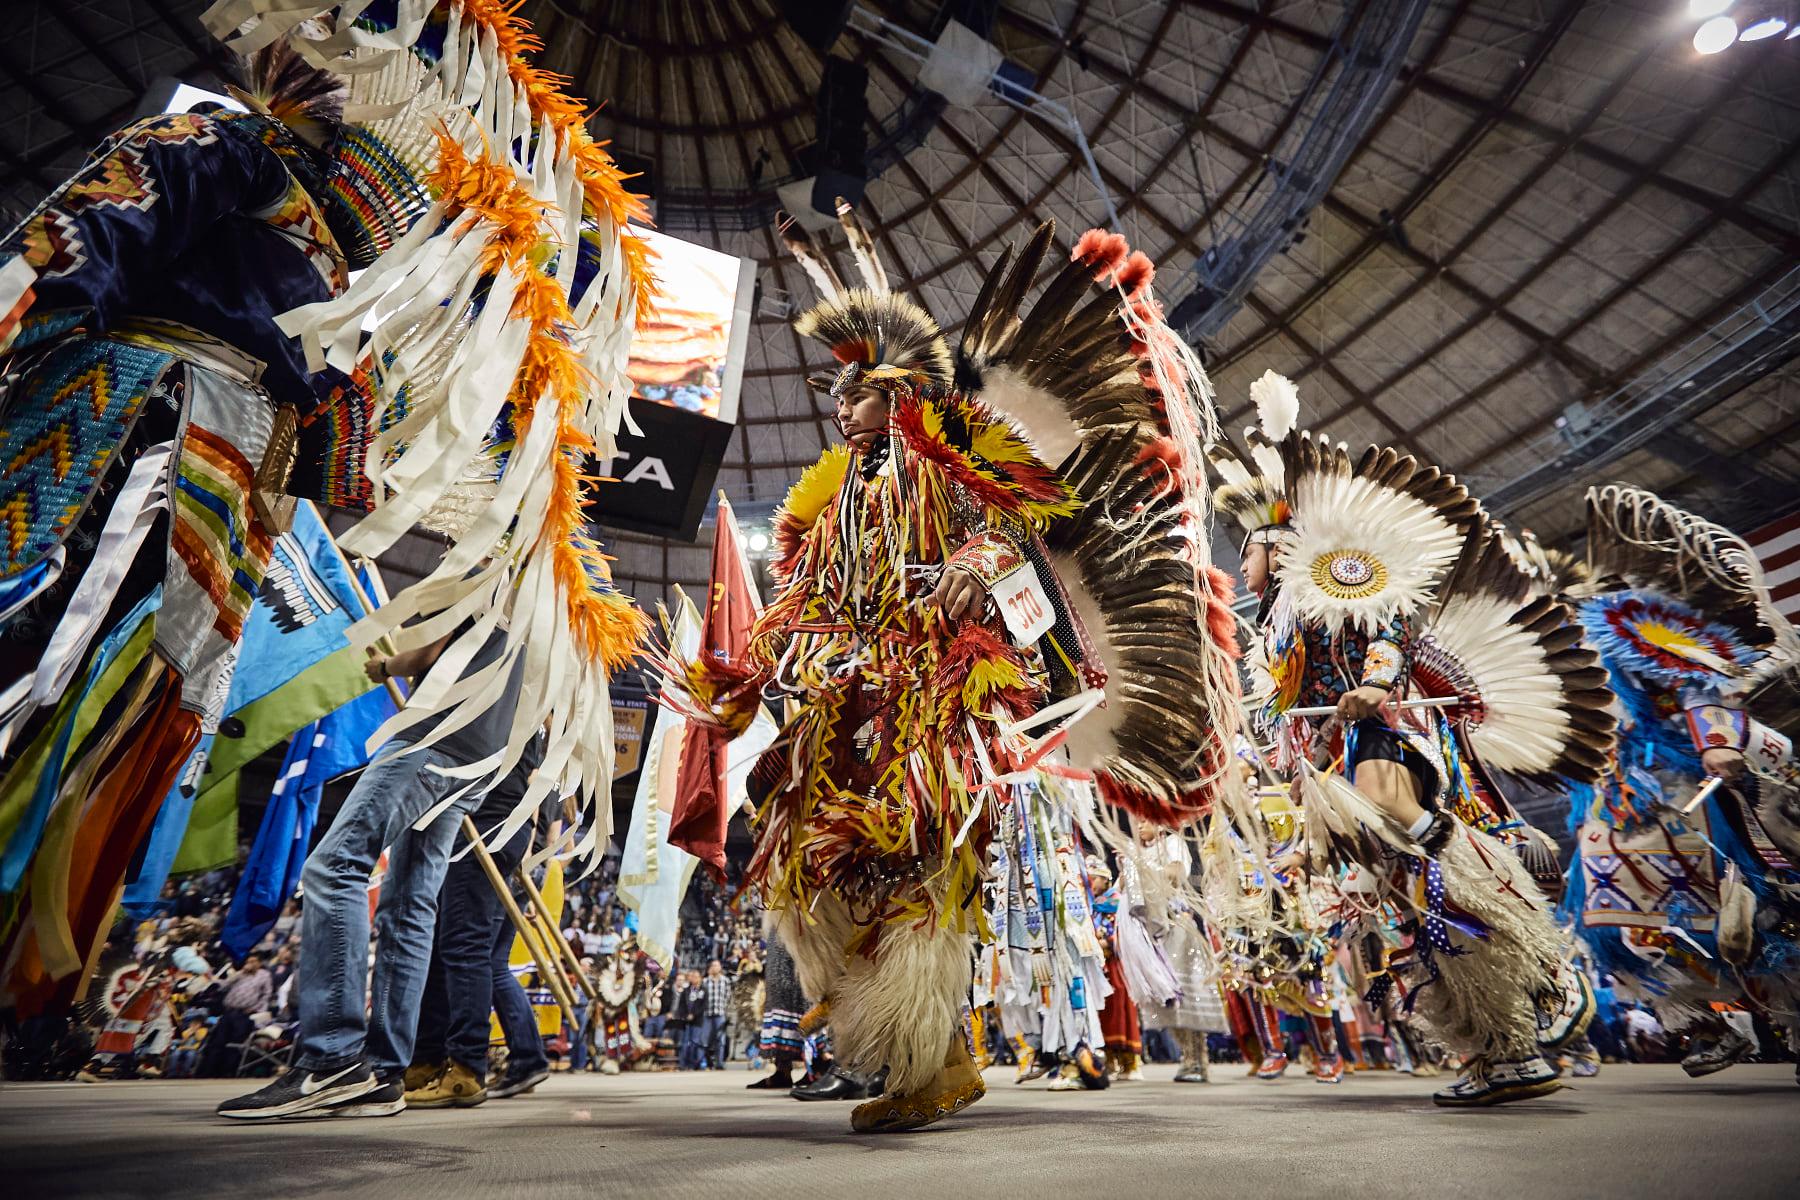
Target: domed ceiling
[1554,227]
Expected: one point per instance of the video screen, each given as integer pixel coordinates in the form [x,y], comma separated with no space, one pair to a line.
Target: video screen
[690,354]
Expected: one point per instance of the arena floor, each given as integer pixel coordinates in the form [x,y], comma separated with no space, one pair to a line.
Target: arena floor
[1634,1131]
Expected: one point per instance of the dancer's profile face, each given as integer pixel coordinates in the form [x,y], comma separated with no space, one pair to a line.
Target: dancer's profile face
[862,414]
[1256,567]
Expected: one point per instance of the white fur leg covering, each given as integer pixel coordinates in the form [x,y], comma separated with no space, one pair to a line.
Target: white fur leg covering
[1482,1003]
[897,1009]
[816,940]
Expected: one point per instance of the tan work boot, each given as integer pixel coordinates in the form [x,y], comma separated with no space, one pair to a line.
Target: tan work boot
[456,1086]
[420,1074]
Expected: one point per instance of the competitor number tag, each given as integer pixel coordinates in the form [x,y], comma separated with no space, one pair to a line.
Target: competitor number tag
[1024,605]
[1767,748]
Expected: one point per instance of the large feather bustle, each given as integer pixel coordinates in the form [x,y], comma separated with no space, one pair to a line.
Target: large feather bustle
[874,330]
[1061,367]
[309,100]
[1156,746]
[1638,538]
[1536,701]
[1405,519]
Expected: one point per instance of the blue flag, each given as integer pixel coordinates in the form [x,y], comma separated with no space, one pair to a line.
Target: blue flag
[318,754]
[300,617]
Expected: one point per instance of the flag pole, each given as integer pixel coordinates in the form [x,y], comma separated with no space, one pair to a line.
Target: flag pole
[567,952]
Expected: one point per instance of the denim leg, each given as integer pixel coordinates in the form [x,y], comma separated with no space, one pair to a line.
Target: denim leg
[332,995]
[468,908]
[524,1045]
[406,921]
[716,1045]
[429,1046]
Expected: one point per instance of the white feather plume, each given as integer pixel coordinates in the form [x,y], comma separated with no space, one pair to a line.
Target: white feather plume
[1277,403]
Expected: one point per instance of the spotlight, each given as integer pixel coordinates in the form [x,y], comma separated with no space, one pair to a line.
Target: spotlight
[1715,35]
[1768,27]
[759,542]
[1699,10]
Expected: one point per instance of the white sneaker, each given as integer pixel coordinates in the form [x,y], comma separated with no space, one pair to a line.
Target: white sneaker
[1483,1083]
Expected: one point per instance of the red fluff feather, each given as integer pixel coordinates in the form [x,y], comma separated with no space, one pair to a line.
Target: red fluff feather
[1100,250]
[1136,274]
[1221,622]
[1163,454]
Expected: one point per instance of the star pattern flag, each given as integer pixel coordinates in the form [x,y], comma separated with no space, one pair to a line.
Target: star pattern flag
[331,746]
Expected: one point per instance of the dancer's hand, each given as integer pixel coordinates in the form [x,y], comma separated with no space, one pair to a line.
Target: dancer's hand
[1358,703]
[1726,763]
[376,669]
[958,592]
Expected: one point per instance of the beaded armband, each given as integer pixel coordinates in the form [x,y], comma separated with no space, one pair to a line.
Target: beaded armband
[988,556]
[1381,665]
[1715,727]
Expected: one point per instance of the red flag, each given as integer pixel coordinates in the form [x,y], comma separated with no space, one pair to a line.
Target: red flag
[702,809]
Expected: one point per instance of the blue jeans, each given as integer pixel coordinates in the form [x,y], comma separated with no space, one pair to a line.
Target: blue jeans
[713,1038]
[578,1044]
[518,1022]
[460,988]
[343,1016]
[692,1053]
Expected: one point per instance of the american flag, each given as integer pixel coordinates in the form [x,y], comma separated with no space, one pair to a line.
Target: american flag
[1777,547]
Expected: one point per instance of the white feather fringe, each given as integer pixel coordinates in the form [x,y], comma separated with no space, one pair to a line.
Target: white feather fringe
[500,574]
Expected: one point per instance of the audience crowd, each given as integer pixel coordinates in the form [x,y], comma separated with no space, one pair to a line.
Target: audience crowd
[167,1001]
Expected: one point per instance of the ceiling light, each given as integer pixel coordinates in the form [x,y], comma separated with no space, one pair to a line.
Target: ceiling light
[1715,35]
[759,542]
[1699,10]
[1768,27]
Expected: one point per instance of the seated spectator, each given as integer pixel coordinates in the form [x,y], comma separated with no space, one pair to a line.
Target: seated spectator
[249,992]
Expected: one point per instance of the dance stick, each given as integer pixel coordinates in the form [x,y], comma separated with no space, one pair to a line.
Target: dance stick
[1706,789]
[1326,710]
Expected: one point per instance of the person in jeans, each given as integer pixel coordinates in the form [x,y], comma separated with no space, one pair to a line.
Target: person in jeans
[450,1054]
[691,1012]
[717,987]
[356,1034]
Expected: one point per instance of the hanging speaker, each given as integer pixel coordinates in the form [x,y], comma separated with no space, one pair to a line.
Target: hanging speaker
[818,22]
[843,115]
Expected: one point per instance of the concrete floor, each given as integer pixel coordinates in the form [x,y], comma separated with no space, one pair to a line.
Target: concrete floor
[1632,1132]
